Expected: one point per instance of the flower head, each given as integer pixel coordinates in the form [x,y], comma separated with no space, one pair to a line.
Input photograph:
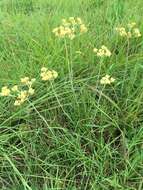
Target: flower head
[72,20]
[31,91]
[79,21]
[23,95]
[122,31]
[17,103]
[44,69]
[70,28]
[102,52]
[5,91]
[22,92]
[107,79]
[14,88]
[136,32]
[25,80]
[83,28]
[48,74]
[131,25]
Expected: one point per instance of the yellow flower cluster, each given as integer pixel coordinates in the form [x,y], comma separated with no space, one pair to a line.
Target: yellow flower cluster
[48,74]
[102,52]
[70,27]
[107,79]
[5,91]
[22,92]
[23,95]
[21,98]
[131,31]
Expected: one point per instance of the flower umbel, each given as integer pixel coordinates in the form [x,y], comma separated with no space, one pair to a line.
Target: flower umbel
[70,28]
[5,91]
[136,32]
[21,98]
[27,81]
[130,31]
[102,52]
[48,74]
[107,79]
[15,88]
[24,91]
[122,31]
[19,92]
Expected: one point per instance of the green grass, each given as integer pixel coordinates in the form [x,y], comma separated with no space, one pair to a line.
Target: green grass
[74,134]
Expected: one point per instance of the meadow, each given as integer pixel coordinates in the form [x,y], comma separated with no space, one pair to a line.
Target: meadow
[71,94]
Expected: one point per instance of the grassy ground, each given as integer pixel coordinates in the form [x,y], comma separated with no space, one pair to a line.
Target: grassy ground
[76,134]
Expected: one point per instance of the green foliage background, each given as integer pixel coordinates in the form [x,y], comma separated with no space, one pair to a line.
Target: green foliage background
[77,135]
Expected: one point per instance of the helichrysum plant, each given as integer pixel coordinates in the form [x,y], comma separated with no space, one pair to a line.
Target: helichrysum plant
[130,31]
[70,28]
[102,52]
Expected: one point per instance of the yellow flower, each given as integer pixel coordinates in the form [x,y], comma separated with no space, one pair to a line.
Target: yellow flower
[17,103]
[79,21]
[55,31]
[31,91]
[131,25]
[25,80]
[70,28]
[62,31]
[5,91]
[71,36]
[43,69]
[83,28]
[102,52]
[55,74]
[31,82]
[21,98]
[131,32]
[25,90]
[14,88]
[136,32]
[122,31]
[107,80]
[72,20]
[48,74]
[106,51]
[95,50]
[23,95]
[64,21]
[67,30]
